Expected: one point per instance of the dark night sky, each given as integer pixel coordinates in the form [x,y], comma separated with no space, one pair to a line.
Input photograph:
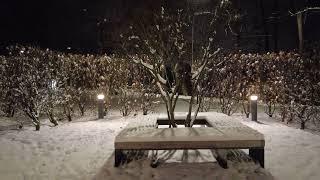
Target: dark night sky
[56,24]
[59,24]
[23,21]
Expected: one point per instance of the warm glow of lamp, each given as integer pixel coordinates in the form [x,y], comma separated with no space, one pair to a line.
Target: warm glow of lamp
[253,97]
[100,96]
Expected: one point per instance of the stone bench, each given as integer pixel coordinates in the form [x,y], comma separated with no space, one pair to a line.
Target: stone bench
[220,133]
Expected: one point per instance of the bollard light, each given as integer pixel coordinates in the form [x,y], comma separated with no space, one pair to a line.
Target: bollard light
[100,106]
[100,97]
[253,97]
[254,107]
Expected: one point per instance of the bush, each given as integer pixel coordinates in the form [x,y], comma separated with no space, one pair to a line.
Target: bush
[241,75]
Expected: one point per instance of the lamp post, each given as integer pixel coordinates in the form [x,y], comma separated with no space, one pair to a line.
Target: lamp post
[254,107]
[100,106]
[192,33]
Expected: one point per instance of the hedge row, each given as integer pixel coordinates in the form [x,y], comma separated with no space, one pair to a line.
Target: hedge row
[36,81]
[285,78]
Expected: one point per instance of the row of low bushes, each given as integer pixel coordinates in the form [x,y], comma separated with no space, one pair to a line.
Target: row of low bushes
[285,79]
[38,81]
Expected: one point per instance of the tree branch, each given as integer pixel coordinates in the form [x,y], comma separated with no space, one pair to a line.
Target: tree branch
[304,10]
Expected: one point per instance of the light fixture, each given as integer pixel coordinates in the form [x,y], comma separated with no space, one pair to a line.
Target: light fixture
[100,106]
[253,97]
[100,96]
[254,107]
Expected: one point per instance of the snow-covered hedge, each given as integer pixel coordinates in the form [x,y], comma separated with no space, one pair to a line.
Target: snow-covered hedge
[284,78]
[37,81]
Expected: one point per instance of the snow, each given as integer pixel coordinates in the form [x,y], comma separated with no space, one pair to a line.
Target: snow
[69,151]
[83,149]
[289,153]
[163,93]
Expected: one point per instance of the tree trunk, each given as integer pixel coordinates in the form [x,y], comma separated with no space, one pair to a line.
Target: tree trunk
[188,118]
[283,114]
[270,110]
[37,127]
[9,110]
[246,109]
[145,111]
[34,116]
[10,113]
[36,122]
[69,117]
[247,115]
[81,108]
[68,112]
[302,125]
[170,112]
[172,120]
[52,119]
[291,115]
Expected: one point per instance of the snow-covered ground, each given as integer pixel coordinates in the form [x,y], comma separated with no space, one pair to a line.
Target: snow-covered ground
[290,153]
[69,151]
[84,150]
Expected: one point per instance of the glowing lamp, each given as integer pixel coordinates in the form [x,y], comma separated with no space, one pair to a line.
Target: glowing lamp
[253,97]
[254,107]
[100,106]
[100,96]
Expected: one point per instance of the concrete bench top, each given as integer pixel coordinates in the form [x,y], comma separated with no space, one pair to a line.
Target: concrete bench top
[224,132]
[191,138]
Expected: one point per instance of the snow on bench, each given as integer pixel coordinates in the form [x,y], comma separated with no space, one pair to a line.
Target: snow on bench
[139,124]
[222,132]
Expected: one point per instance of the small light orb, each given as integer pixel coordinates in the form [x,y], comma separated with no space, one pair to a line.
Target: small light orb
[100,96]
[253,97]
[53,84]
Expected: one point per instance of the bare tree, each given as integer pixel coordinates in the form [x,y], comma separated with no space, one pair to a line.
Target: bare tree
[161,44]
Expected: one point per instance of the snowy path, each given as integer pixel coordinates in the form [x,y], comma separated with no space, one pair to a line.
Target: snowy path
[290,153]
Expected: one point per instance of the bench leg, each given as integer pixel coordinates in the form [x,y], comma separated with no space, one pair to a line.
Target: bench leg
[221,156]
[258,155]
[119,157]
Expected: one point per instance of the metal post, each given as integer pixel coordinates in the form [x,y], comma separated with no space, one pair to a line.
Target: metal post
[254,108]
[192,33]
[192,40]
[100,106]
[258,155]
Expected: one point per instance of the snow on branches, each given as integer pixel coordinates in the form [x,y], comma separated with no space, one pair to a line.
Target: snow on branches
[30,74]
[39,81]
[162,45]
[287,79]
